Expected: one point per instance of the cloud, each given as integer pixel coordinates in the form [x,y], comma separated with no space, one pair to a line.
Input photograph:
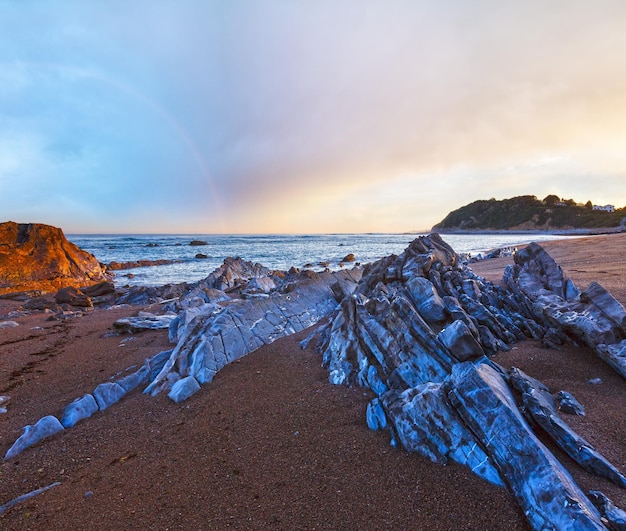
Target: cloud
[284,116]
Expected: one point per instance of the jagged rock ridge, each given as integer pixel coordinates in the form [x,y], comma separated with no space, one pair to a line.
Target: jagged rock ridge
[418,332]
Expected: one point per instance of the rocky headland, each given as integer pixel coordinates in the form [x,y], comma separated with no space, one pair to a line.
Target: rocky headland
[34,256]
[528,214]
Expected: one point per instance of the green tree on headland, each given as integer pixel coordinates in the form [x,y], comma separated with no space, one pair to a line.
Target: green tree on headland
[529,213]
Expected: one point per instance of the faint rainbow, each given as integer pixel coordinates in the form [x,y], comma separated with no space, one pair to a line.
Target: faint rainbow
[161,111]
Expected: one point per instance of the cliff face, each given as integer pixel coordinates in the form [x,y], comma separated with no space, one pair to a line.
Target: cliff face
[34,256]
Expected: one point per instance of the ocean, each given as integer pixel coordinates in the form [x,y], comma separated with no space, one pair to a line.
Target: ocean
[273,251]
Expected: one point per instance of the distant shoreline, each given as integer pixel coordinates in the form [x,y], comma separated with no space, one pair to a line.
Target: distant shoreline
[554,232]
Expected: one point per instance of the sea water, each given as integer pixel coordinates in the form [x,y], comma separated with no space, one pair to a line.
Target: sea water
[273,251]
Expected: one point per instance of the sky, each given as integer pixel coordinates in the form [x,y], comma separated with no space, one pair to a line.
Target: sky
[304,116]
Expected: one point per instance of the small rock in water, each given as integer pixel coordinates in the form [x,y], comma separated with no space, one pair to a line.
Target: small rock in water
[198,242]
[349,258]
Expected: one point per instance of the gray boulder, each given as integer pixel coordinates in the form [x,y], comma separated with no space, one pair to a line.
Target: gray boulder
[183,389]
[45,427]
[79,409]
[107,394]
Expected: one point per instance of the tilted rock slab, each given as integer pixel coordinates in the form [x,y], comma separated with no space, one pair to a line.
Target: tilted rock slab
[541,406]
[416,332]
[545,490]
[209,342]
[103,396]
[592,316]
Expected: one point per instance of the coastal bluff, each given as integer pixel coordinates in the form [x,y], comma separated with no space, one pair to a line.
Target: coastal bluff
[527,213]
[35,256]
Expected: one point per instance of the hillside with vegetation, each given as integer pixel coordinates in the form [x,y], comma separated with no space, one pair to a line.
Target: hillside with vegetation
[529,213]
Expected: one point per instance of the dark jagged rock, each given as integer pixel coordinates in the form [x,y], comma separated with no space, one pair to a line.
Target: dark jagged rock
[593,317]
[41,304]
[232,273]
[198,243]
[34,256]
[73,297]
[343,288]
[117,266]
[143,295]
[99,290]
[210,341]
[539,403]
[459,340]
[546,492]
[568,404]
[614,515]
[408,332]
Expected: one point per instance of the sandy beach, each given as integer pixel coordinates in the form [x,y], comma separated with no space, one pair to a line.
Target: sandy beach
[269,443]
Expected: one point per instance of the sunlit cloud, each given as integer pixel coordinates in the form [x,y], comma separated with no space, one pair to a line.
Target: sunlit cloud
[264,116]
